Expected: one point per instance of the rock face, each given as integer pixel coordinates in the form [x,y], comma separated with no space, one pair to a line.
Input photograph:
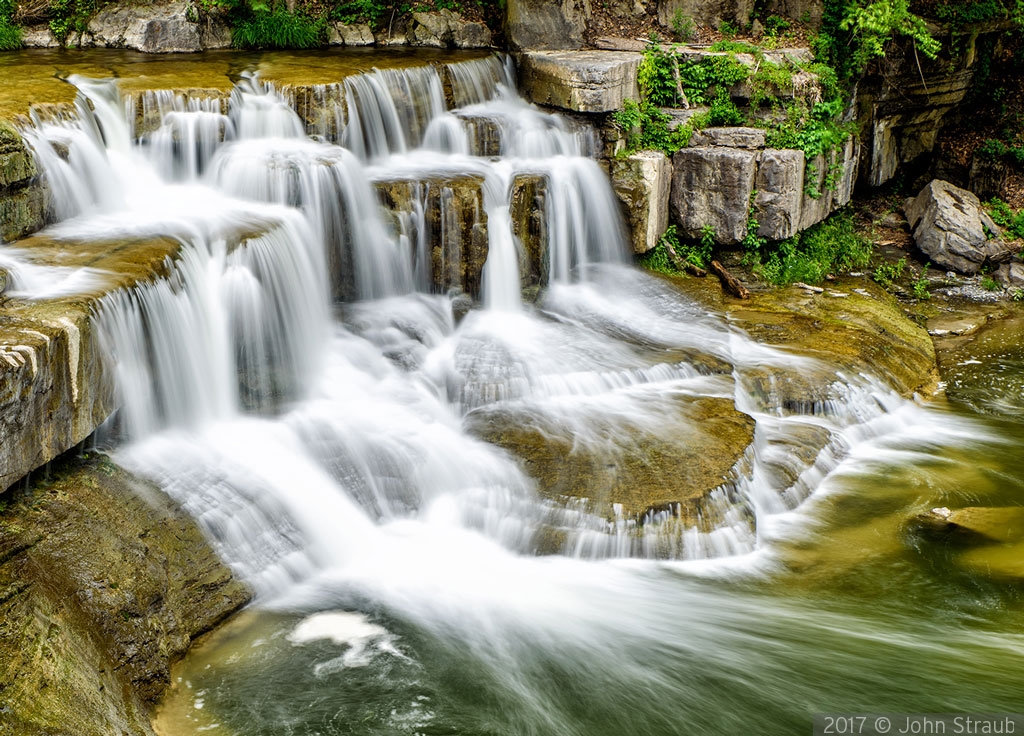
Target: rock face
[902,107]
[105,583]
[580,81]
[445,29]
[157,28]
[711,187]
[706,13]
[449,239]
[713,183]
[642,182]
[949,227]
[24,198]
[530,228]
[546,24]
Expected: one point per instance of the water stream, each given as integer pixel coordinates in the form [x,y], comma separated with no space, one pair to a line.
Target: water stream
[308,384]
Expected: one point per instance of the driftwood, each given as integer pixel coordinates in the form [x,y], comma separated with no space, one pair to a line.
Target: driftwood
[680,264]
[729,282]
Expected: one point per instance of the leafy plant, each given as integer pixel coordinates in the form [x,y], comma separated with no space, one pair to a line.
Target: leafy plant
[728,29]
[1017,295]
[683,26]
[10,32]
[832,246]
[647,127]
[695,253]
[990,284]
[886,273]
[1006,217]
[920,285]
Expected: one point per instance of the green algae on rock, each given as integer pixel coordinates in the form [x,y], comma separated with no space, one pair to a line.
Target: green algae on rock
[103,584]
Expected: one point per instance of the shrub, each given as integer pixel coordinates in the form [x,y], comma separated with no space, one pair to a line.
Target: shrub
[278,30]
[830,247]
[682,26]
[886,273]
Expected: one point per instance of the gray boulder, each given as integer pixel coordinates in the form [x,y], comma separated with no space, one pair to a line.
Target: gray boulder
[949,227]
[642,182]
[430,29]
[711,187]
[157,29]
[355,34]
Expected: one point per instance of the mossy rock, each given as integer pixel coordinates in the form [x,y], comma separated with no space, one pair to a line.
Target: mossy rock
[103,584]
[695,451]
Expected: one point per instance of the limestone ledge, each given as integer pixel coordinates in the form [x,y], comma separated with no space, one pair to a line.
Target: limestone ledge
[52,390]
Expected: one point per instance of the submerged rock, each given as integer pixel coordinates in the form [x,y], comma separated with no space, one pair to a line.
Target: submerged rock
[624,469]
[103,584]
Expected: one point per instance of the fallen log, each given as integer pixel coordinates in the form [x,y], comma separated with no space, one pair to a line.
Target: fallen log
[680,264]
[729,282]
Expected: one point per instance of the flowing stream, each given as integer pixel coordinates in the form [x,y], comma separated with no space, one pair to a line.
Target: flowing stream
[310,383]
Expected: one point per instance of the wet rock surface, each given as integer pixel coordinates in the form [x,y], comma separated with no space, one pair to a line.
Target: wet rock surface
[103,584]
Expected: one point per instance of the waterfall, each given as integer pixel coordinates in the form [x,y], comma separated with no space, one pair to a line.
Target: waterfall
[311,381]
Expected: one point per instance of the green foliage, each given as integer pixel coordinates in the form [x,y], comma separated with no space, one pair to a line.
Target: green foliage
[711,72]
[990,284]
[886,273]
[976,11]
[728,28]
[724,111]
[695,253]
[278,30]
[707,237]
[920,285]
[1017,295]
[736,47]
[647,128]
[359,11]
[1005,217]
[10,32]
[10,35]
[831,246]
[67,16]
[853,32]
[769,82]
[656,77]
[752,242]
[775,25]
[682,26]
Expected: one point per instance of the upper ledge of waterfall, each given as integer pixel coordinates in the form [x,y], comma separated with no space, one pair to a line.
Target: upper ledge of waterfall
[37,77]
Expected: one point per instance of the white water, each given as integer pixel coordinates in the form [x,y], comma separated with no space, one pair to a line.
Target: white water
[319,451]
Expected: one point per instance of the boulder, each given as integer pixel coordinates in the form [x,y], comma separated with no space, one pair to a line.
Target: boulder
[580,81]
[546,24]
[355,34]
[214,28]
[38,37]
[470,35]
[159,28]
[949,227]
[711,187]
[1010,274]
[430,29]
[642,182]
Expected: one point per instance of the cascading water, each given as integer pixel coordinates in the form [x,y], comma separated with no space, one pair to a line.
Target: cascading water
[376,458]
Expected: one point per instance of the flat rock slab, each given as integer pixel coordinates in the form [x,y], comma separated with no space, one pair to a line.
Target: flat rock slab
[580,81]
